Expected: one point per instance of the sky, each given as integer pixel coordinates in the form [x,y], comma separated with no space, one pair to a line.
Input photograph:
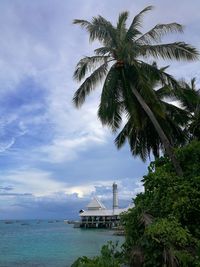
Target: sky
[53,157]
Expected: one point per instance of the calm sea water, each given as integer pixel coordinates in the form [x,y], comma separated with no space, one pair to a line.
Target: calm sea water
[48,244]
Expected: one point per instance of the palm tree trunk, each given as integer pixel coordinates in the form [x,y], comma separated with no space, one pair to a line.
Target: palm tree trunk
[168,147]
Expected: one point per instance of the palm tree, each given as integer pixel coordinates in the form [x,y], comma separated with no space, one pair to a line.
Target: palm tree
[119,63]
[189,97]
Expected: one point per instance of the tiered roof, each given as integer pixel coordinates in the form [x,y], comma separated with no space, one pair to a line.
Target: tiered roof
[95,204]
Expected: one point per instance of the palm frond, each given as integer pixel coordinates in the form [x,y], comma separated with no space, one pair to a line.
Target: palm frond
[87,64]
[159,75]
[122,20]
[120,140]
[121,25]
[164,92]
[176,50]
[102,51]
[110,108]
[175,130]
[136,24]
[137,256]
[146,219]
[142,140]
[193,83]
[188,96]
[102,30]
[147,142]
[156,33]
[83,23]
[194,127]
[89,84]
[169,257]
[99,29]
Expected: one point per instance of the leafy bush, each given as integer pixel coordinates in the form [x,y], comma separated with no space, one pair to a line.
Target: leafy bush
[109,257]
[163,228]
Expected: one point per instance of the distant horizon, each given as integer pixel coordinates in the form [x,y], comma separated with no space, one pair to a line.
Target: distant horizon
[74,215]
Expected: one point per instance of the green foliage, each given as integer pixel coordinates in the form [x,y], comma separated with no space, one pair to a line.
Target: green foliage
[109,257]
[164,224]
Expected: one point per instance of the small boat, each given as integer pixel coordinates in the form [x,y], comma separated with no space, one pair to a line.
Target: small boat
[8,222]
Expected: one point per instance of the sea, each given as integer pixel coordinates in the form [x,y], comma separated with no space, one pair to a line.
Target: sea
[52,243]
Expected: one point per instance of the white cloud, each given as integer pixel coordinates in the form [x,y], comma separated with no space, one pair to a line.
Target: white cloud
[62,150]
[75,131]
[7,135]
[81,190]
[32,181]
[6,144]
[41,183]
[128,188]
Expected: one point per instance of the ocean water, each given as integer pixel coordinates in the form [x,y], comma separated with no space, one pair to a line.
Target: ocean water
[48,243]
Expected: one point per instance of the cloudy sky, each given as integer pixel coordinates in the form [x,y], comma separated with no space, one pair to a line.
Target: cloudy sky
[53,158]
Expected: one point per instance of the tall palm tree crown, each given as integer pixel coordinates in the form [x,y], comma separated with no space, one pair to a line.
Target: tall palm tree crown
[189,96]
[120,63]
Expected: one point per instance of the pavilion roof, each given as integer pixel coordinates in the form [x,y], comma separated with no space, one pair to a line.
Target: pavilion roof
[95,204]
[103,212]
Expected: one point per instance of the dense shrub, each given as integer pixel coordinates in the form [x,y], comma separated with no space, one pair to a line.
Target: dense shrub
[163,228]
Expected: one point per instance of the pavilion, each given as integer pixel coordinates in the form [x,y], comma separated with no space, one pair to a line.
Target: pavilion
[98,216]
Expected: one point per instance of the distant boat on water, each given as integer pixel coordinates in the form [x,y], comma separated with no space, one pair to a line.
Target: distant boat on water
[8,222]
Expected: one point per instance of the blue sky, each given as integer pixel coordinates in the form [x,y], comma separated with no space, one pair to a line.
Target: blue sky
[53,158]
